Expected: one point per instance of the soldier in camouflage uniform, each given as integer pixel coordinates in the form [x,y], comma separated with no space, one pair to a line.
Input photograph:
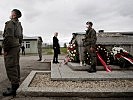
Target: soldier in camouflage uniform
[90,43]
[39,48]
[12,39]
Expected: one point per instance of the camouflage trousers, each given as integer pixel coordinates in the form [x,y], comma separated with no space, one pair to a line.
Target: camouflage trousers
[92,55]
[40,53]
[12,66]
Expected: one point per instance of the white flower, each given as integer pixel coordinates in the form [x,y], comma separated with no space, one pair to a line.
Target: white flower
[74,55]
[74,45]
[111,53]
[74,50]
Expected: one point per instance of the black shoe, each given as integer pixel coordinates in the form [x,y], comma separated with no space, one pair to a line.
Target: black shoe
[56,62]
[39,59]
[11,91]
[92,71]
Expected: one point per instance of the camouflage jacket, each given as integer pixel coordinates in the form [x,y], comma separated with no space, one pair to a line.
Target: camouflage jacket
[90,38]
[13,34]
[39,43]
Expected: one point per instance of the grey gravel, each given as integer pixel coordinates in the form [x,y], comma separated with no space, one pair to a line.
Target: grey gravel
[43,80]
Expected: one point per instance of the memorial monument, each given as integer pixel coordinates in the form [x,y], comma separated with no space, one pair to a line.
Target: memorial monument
[105,57]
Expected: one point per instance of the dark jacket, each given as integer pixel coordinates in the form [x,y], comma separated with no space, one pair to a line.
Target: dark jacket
[56,45]
[13,35]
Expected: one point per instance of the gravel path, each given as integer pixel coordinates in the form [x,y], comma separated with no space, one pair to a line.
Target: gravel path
[43,80]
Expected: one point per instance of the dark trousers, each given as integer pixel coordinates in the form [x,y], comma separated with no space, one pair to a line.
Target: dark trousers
[40,53]
[23,52]
[11,60]
[55,58]
[92,54]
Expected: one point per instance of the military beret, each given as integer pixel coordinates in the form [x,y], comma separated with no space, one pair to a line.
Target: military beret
[89,23]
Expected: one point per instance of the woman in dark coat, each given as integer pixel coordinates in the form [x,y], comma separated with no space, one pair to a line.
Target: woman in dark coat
[56,48]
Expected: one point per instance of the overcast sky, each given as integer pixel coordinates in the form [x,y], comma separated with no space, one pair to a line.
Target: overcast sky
[44,17]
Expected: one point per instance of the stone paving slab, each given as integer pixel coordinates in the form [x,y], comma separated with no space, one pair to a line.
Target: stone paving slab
[63,72]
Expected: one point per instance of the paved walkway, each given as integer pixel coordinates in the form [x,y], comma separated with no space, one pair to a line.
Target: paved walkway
[63,72]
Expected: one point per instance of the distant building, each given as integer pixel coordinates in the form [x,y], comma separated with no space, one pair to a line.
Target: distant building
[30,43]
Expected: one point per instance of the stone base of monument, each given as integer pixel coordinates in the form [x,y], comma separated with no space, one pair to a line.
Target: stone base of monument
[63,81]
[77,67]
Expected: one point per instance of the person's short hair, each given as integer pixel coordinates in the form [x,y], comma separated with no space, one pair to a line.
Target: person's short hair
[18,13]
[90,23]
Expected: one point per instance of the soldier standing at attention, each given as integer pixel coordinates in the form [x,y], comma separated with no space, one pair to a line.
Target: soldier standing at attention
[56,48]
[90,46]
[40,48]
[12,39]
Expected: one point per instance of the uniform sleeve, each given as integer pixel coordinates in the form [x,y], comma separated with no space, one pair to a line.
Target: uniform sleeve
[8,36]
[21,34]
[93,37]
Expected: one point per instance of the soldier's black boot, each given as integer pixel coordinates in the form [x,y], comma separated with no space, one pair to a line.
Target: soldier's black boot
[92,69]
[12,91]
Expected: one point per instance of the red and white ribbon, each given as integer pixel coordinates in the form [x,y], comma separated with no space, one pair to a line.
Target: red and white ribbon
[106,67]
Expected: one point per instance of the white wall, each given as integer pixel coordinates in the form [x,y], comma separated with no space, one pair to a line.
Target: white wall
[33,46]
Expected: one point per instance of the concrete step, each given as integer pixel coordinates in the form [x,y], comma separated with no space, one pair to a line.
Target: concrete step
[77,67]
[65,73]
